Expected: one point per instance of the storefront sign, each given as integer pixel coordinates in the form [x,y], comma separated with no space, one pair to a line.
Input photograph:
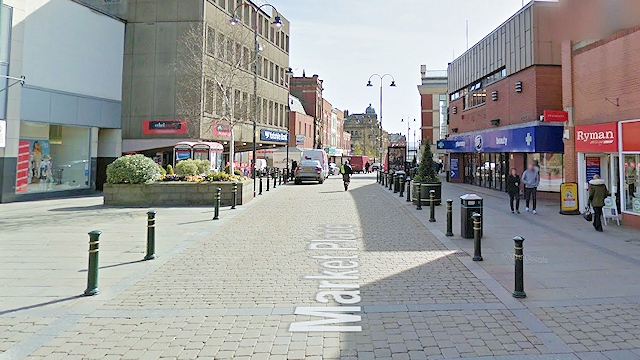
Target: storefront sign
[636,204]
[221,129]
[150,127]
[3,133]
[454,172]
[555,115]
[593,167]
[525,139]
[275,136]
[299,139]
[597,138]
[631,136]
[569,198]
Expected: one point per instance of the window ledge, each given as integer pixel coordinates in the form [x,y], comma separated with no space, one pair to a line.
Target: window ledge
[474,107]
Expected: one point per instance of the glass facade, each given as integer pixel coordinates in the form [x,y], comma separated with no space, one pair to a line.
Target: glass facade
[631,179]
[488,170]
[52,158]
[551,170]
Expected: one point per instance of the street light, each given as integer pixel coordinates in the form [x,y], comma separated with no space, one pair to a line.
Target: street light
[277,23]
[393,84]
[408,128]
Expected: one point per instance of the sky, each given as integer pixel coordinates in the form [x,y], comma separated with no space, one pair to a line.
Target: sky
[345,41]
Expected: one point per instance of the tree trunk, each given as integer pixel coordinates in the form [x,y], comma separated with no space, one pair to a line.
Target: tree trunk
[232,151]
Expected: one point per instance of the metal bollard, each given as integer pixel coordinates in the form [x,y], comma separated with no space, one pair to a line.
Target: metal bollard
[419,206]
[519,260]
[402,181]
[151,235]
[268,180]
[275,177]
[477,229]
[408,190]
[432,205]
[216,199]
[92,274]
[396,184]
[260,193]
[449,217]
[280,173]
[392,180]
[234,195]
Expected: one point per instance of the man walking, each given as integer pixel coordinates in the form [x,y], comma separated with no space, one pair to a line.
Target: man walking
[531,180]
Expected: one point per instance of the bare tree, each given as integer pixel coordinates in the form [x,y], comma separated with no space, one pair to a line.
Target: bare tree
[221,63]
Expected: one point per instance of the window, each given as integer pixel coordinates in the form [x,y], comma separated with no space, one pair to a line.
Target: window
[496,76]
[270,112]
[278,39]
[551,170]
[266,69]
[211,41]
[282,76]
[631,180]
[272,33]
[282,40]
[260,22]
[286,45]
[266,28]
[259,65]
[220,102]
[246,58]
[229,52]
[220,49]
[247,16]
[238,55]
[237,104]
[231,6]
[271,71]
[265,111]
[244,112]
[222,4]
[282,115]
[277,74]
[209,96]
[475,96]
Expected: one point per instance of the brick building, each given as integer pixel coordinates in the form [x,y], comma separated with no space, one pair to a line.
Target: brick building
[433,106]
[309,91]
[300,125]
[498,91]
[601,94]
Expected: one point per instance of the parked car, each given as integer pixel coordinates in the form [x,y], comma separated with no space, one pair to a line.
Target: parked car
[375,166]
[309,170]
[333,169]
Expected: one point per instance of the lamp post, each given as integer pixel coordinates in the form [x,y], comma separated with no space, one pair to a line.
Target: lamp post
[393,84]
[408,129]
[277,23]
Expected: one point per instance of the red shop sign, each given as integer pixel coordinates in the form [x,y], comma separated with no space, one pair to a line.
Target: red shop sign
[631,136]
[555,115]
[597,138]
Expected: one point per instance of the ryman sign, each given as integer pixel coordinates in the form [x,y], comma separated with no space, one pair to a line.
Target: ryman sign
[597,138]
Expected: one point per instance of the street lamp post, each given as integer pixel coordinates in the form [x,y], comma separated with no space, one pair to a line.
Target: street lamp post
[408,129]
[277,23]
[393,84]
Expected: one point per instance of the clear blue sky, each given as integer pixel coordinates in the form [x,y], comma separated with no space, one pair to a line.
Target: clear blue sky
[345,41]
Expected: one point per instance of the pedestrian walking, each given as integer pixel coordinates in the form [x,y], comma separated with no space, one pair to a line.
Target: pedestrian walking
[597,193]
[531,180]
[294,166]
[366,167]
[513,188]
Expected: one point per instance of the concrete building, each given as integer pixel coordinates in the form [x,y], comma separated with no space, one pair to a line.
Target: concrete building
[498,90]
[433,104]
[309,91]
[188,74]
[60,128]
[300,125]
[601,95]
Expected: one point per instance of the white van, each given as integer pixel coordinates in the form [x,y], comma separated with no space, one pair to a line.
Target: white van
[318,155]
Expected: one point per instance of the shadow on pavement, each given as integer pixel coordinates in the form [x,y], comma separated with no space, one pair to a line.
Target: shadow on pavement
[40,305]
[116,265]
[81,208]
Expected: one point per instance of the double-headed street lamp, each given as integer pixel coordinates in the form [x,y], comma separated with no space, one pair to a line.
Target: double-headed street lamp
[277,23]
[393,84]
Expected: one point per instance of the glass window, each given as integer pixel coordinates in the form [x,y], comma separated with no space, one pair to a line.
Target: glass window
[631,179]
[286,45]
[52,158]
[211,41]
[550,166]
[475,96]
[220,49]
[209,98]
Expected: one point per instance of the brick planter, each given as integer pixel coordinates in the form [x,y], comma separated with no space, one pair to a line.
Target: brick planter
[174,193]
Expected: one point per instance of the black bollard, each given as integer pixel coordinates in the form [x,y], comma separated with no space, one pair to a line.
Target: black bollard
[92,273]
[408,190]
[151,235]
[432,206]
[519,260]
[392,180]
[275,177]
[396,184]
[260,193]
[268,180]
[234,195]
[280,177]
[419,206]
[449,217]
[216,205]
[402,181]
[477,230]
[378,177]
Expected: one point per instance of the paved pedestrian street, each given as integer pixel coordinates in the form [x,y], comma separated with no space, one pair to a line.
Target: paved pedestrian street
[302,272]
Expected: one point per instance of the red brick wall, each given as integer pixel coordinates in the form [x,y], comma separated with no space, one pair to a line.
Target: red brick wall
[297,122]
[427,117]
[541,90]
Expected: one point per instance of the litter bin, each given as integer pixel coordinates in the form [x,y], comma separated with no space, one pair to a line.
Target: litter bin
[470,203]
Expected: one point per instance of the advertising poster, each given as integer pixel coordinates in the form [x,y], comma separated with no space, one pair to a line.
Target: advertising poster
[454,172]
[569,199]
[396,158]
[34,163]
[593,167]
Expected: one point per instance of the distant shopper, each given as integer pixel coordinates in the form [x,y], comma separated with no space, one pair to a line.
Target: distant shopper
[346,171]
[513,188]
[531,180]
[597,193]
[294,166]
[366,167]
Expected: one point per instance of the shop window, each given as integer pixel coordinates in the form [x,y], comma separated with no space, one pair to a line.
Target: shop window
[52,158]
[631,181]
[475,96]
[551,170]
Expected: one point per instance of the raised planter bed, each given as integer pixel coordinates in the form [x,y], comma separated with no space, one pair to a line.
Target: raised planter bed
[175,193]
[425,188]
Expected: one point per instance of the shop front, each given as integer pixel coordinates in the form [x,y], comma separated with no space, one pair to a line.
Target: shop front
[597,149]
[629,158]
[485,158]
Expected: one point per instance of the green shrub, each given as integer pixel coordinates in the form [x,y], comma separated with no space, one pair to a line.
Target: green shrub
[426,171]
[132,169]
[163,172]
[170,170]
[187,168]
[227,169]
[204,166]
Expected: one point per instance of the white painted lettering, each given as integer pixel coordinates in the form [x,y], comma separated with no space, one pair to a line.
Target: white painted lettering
[327,246]
[335,275]
[340,236]
[340,264]
[328,257]
[327,284]
[340,296]
[339,231]
[339,226]
[332,315]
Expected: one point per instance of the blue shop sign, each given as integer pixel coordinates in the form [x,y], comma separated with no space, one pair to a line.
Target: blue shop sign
[274,136]
[530,139]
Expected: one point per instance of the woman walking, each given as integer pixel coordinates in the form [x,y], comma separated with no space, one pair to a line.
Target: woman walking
[597,193]
[513,188]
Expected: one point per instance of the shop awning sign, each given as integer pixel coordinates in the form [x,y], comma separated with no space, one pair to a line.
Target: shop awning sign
[555,115]
[526,139]
[597,138]
[274,136]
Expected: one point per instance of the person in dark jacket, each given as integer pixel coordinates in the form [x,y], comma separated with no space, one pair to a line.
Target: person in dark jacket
[597,193]
[513,188]
[294,166]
